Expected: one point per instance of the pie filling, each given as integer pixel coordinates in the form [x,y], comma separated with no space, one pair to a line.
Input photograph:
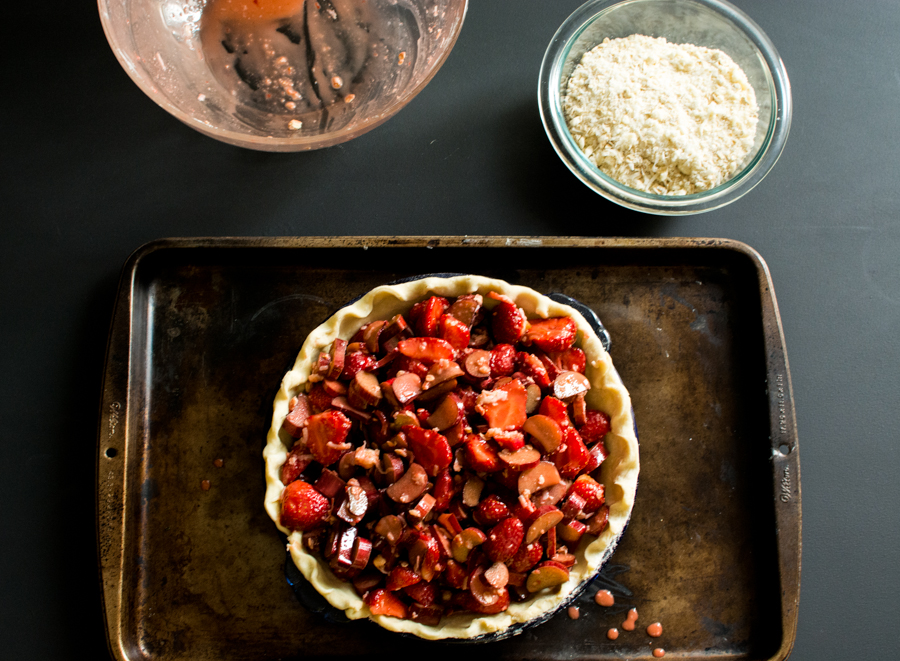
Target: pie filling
[451,456]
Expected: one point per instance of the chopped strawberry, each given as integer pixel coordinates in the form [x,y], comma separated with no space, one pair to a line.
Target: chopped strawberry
[507,440]
[530,365]
[590,490]
[504,540]
[430,349]
[599,453]
[443,490]
[327,435]
[595,427]
[424,316]
[572,455]
[490,511]
[302,507]
[554,334]
[526,557]
[504,407]
[572,359]
[455,332]
[319,397]
[400,577]
[382,602]
[503,360]
[508,323]
[431,448]
[358,361]
[423,592]
[556,409]
[481,456]
[495,606]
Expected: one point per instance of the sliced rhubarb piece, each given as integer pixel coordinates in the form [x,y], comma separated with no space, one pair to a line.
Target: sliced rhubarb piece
[422,509]
[390,527]
[424,555]
[548,574]
[296,420]
[599,453]
[533,402]
[364,390]
[405,387]
[430,616]
[327,436]
[338,354]
[544,519]
[599,522]
[579,411]
[395,331]
[497,575]
[390,469]
[466,308]
[545,432]
[477,364]
[440,373]
[296,462]
[520,459]
[303,507]
[471,493]
[568,385]
[449,412]
[571,531]
[553,334]
[409,487]
[538,477]
[551,495]
[484,592]
[369,335]
[463,543]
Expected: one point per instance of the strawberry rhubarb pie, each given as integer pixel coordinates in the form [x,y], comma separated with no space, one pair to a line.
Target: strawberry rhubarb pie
[451,457]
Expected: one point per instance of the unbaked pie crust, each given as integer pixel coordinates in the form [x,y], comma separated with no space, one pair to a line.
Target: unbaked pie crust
[619,472]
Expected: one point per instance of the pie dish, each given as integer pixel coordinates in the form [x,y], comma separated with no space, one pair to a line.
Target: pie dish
[618,473]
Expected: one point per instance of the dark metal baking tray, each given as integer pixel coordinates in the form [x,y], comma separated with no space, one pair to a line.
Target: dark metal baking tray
[204,329]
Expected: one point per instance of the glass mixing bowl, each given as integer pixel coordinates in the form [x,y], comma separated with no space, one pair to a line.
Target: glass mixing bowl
[333,71]
[710,23]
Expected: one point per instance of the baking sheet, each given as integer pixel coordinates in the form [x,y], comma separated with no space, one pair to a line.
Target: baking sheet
[204,329]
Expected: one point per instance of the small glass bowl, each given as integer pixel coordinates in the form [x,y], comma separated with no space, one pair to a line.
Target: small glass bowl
[710,23]
[158,44]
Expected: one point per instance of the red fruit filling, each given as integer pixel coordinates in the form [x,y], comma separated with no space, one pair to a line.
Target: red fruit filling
[441,462]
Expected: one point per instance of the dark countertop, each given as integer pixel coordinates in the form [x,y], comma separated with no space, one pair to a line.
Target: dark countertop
[92,169]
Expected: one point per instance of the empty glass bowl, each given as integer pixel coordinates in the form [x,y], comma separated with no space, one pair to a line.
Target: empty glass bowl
[710,23]
[325,74]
